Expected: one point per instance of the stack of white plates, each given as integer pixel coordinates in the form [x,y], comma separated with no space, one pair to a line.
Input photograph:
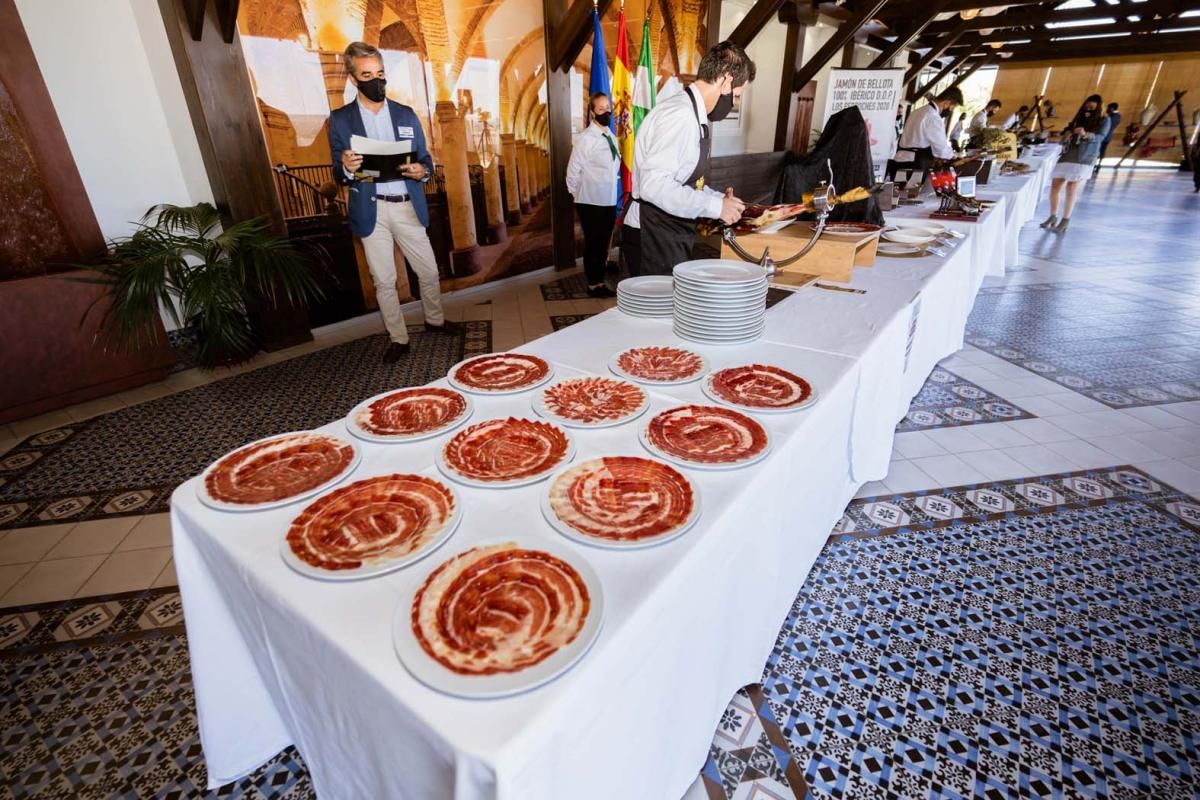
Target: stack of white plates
[720,302]
[645,296]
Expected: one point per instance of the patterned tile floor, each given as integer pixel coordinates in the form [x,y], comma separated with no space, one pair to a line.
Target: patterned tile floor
[122,717]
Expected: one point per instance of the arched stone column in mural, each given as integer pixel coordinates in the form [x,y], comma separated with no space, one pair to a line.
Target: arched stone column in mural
[523,177]
[464,257]
[508,150]
[497,230]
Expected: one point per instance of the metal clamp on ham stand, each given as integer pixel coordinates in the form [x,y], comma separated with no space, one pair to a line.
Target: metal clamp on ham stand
[823,201]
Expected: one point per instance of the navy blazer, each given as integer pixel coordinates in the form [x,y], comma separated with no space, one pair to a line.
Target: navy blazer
[347,121]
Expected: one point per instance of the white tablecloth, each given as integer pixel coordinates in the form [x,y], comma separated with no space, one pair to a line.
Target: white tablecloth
[1023,194]
[279,658]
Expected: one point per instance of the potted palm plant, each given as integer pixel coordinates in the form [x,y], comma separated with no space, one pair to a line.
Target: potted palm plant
[181,260]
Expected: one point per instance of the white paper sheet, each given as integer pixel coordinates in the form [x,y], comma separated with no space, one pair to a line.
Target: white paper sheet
[377,147]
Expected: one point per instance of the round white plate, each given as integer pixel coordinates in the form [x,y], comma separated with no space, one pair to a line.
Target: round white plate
[899,250]
[539,405]
[757,296]
[718,327]
[482,687]
[623,304]
[720,290]
[610,544]
[616,370]
[370,571]
[221,505]
[716,398]
[462,387]
[679,462]
[736,319]
[710,306]
[656,315]
[719,333]
[908,238]
[362,433]
[926,224]
[719,272]
[724,342]
[647,285]
[440,460]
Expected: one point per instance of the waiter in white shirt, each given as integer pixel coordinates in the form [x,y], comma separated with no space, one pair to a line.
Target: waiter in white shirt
[670,159]
[980,120]
[924,138]
[592,181]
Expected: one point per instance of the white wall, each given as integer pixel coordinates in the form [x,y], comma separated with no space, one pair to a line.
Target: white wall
[755,132]
[108,67]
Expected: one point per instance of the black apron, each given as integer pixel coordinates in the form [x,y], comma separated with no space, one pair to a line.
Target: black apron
[667,240]
[922,160]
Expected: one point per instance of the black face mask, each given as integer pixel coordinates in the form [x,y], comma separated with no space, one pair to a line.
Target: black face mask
[945,113]
[722,108]
[604,119]
[374,90]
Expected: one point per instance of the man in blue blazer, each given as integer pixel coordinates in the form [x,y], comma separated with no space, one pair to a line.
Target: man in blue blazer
[383,212]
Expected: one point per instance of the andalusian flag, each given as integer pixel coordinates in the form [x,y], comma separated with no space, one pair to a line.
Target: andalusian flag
[622,102]
[644,92]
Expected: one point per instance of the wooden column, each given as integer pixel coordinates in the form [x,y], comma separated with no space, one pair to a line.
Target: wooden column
[224,111]
[558,117]
[464,257]
[792,62]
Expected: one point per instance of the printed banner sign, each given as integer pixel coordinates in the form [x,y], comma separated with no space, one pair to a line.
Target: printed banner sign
[877,93]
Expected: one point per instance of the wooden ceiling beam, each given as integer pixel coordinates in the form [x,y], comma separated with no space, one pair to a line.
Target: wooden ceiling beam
[755,20]
[571,35]
[952,65]
[910,34]
[1044,35]
[936,51]
[843,35]
[1032,18]
[1101,48]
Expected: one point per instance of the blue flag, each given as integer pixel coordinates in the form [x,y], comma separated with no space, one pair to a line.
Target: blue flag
[599,81]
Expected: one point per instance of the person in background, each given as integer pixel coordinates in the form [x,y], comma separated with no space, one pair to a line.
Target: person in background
[1014,119]
[670,159]
[390,211]
[924,138]
[1081,145]
[1114,121]
[592,180]
[980,120]
[956,133]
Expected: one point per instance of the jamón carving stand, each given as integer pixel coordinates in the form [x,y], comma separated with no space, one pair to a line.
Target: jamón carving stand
[824,199]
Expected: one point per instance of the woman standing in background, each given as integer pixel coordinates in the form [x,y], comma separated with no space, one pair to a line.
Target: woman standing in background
[1080,147]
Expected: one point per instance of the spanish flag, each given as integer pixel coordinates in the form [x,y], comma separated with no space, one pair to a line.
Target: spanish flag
[622,102]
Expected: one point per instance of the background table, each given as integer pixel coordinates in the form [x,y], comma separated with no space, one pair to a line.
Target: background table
[279,658]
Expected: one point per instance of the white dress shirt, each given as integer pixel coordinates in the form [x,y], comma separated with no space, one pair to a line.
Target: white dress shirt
[378,125]
[1012,120]
[925,128]
[593,168]
[665,154]
[979,120]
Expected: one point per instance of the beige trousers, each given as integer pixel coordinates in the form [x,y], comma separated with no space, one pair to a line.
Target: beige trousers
[397,222]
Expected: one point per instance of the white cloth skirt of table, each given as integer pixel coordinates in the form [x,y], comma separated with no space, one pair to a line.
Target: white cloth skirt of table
[282,658]
[912,315]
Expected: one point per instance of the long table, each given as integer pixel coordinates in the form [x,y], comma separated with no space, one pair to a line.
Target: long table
[278,658]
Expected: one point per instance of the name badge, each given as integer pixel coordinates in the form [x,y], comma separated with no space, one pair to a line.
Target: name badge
[404,131]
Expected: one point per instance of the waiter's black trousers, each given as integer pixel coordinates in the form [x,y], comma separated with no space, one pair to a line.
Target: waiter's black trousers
[597,224]
[631,249]
[666,240]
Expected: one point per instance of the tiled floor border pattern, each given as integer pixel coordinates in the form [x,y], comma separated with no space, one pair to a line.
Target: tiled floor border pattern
[55,508]
[1059,369]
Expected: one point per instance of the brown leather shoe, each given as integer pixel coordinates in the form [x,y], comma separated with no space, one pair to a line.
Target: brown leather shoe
[395,351]
[453,328]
